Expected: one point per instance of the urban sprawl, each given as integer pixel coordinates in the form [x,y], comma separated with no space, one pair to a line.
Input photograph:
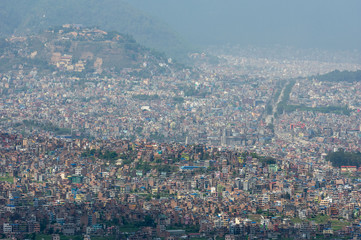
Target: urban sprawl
[235,148]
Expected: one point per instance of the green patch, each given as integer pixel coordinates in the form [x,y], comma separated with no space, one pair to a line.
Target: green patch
[320,219]
[339,224]
[47,126]
[297,220]
[103,238]
[7,179]
[62,237]
[341,158]
[336,224]
[128,229]
[144,97]
[42,236]
[255,217]
[187,228]
[337,76]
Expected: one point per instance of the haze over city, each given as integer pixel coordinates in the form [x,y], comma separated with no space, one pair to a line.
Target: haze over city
[167,120]
[332,25]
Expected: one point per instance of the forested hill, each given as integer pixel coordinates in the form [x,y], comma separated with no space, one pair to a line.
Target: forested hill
[29,16]
[337,76]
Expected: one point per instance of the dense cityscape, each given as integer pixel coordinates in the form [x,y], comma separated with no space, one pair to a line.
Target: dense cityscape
[236,147]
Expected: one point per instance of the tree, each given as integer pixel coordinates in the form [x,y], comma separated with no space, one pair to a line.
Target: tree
[3,45]
[269,109]
[220,188]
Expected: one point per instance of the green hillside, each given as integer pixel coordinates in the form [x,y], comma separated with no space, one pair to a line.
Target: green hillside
[337,76]
[29,16]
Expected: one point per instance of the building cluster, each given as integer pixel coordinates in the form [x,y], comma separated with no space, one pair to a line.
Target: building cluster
[315,93]
[142,189]
[159,152]
[277,62]
[165,108]
[329,129]
[223,104]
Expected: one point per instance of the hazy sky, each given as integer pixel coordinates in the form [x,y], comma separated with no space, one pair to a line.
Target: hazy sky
[328,24]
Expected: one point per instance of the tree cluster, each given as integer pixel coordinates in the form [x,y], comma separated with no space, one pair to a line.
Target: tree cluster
[344,76]
[106,155]
[342,158]
[145,97]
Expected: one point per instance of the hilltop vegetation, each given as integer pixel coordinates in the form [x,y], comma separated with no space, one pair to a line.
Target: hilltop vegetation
[338,76]
[29,16]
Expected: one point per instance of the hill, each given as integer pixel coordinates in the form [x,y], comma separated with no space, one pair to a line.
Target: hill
[78,50]
[337,76]
[29,16]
